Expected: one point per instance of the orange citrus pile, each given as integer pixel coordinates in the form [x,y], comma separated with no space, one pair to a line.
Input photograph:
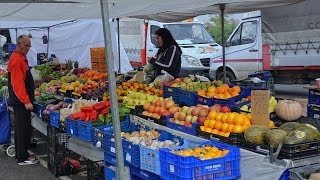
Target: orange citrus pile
[221,92]
[205,152]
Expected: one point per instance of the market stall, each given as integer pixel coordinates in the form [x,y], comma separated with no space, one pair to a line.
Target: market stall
[183,126]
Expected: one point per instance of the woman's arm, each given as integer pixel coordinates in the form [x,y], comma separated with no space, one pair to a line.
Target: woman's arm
[168,58]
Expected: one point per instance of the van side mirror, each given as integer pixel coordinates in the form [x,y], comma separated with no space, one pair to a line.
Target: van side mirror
[227,44]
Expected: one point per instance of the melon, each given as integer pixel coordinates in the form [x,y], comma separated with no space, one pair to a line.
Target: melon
[289,126]
[256,134]
[275,137]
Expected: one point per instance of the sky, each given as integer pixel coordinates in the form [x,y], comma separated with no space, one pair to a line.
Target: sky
[205,18]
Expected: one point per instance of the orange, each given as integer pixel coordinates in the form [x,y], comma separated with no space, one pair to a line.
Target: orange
[227,96]
[230,127]
[230,118]
[197,150]
[202,128]
[219,116]
[213,149]
[212,115]
[227,134]
[214,131]
[237,129]
[225,117]
[202,92]
[211,94]
[221,133]
[226,86]
[272,125]
[245,127]
[218,125]
[249,116]
[224,127]
[212,123]
[206,123]
[233,94]
[208,130]
[212,89]
[224,152]
[236,89]
[238,120]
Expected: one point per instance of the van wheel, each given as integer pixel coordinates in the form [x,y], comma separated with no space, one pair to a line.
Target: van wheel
[229,75]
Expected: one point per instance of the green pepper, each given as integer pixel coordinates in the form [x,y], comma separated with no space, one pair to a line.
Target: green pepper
[101,118]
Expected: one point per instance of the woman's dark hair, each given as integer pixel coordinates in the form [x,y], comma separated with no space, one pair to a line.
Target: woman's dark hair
[167,39]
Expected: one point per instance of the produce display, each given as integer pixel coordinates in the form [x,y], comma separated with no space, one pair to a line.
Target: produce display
[45,99]
[106,117]
[273,103]
[204,153]
[160,107]
[137,98]
[193,84]
[3,82]
[91,113]
[289,110]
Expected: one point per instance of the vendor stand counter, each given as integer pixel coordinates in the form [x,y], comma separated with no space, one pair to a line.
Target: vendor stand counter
[252,165]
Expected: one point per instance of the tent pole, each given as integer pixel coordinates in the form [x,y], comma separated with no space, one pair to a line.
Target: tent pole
[16,35]
[48,43]
[222,8]
[118,29]
[121,173]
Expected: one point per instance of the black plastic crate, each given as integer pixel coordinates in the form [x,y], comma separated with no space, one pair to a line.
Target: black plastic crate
[59,163]
[314,111]
[95,170]
[263,75]
[56,138]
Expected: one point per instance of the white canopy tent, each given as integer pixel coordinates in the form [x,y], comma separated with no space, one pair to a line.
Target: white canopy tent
[165,10]
[69,39]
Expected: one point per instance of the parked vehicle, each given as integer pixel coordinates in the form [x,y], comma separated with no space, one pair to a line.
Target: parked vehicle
[283,40]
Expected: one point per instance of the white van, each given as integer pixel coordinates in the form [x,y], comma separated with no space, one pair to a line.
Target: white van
[283,40]
[138,38]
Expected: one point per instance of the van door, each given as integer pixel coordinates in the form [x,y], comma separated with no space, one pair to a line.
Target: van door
[243,52]
[153,26]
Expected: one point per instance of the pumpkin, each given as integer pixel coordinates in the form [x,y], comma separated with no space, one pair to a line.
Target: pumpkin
[289,110]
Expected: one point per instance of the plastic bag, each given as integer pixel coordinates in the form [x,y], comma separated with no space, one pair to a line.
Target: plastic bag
[161,79]
[35,74]
[148,68]
[200,78]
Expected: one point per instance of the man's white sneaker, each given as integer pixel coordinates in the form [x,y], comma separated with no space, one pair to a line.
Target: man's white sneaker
[28,162]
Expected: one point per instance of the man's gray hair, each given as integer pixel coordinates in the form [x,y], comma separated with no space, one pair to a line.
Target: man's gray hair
[19,40]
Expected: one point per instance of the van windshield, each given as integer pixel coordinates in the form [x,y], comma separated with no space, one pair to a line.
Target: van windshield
[189,33]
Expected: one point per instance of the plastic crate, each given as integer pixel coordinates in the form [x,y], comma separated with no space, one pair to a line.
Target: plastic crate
[285,175]
[95,170]
[110,159]
[189,130]
[233,138]
[149,158]
[314,97]
[58,164]
[314,111]
[109,172]
[174,166]
[39,108]
[173,92]
[99,135]
[263,75]
[56,139]
[265,85]
[71,126]
[54,119]
[84,130]
[303,173]
[137,173]
[187,98]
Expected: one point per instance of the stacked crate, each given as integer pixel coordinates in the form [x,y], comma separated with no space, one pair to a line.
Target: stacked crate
[98,59]
[314,103]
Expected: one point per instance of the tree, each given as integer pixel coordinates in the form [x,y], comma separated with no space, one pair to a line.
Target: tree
[214,27]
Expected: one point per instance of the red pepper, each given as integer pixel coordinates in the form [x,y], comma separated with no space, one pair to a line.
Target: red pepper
[87,117]
[107,103]
[78,115]
[87,109]
[94,115]
[105,111]
[99,106]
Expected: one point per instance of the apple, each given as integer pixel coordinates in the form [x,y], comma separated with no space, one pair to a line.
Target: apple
[195,112]
[168,103]
[182,116]
[177,121]
[173,109]
[149,98]
[189,111]
[146,106]
[165,113]
[171,120]
[225,109]
[194,119]
[145,113]
[216,107]
[157,103]
[201,120]
[156,109]
[176,115]
[161,110]
[156,116]
[185,109]
[143,97]
[205,106]
[188,124]
[142,102]
[151,109]
[203,112]
[130,102]
[182,122]
[188,118]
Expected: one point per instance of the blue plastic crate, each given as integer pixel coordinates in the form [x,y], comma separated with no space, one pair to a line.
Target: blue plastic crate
[108,158]
[263,75]
[189,130]
[140,174]
[314,97]
[39,108]
[174,166]
[54,119]
[84,130]
[173,92]
[149,158]
[187,98]
[109,172]
[314,111]
[71,126]
[131,153]
[285,175]
[99,134]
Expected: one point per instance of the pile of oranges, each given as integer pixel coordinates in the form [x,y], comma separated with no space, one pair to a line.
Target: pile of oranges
[204,153]
[225,123]
[221,92]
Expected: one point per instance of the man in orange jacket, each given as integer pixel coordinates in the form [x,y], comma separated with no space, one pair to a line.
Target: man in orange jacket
[21,97]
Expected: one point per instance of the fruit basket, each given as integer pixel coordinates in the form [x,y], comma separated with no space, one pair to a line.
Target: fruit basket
[174,166]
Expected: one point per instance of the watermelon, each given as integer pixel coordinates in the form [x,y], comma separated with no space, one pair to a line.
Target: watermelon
[275,137]
[256,134]
[289,126]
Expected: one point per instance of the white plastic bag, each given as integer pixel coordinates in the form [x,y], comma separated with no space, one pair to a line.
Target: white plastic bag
[161,79]
[35,74]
